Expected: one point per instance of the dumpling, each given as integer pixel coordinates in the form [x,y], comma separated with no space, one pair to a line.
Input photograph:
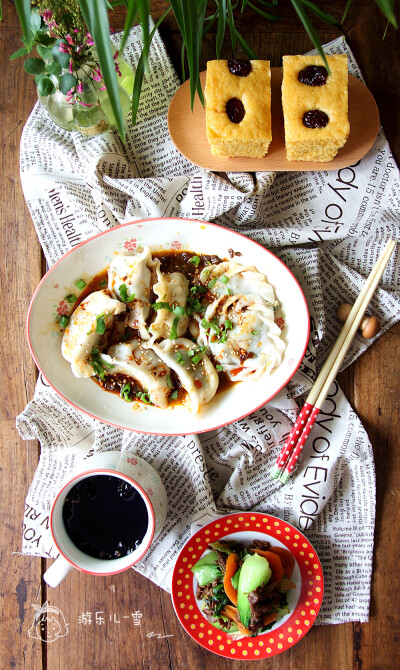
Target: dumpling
[230,278]
[173,290]
[193,368]
[130,274]
[242,336]
[87,326]
[132,359]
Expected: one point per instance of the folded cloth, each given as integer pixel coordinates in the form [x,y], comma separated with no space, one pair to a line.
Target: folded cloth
[328,228]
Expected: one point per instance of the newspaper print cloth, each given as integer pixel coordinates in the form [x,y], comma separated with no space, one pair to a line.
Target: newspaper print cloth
[328,227]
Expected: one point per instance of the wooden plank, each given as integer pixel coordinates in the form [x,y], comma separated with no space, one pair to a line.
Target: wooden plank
[20,271]
[372,384]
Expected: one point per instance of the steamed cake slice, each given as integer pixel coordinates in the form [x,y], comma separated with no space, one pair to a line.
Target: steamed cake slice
[306,106]
[238,107]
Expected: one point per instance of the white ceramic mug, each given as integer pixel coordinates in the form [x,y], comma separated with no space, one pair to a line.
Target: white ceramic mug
[72,557]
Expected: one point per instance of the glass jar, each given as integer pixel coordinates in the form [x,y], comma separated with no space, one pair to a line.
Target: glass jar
[92,114]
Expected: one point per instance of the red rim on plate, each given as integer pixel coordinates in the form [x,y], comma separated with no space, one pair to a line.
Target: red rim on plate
[279,638]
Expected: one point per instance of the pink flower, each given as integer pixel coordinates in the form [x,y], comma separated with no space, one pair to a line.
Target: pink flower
[130,245]
[62,308]
[47,14]
[280,322]
[64,48]
[71,68]
[96,74]
[79,87]
[176,245]
[69,40]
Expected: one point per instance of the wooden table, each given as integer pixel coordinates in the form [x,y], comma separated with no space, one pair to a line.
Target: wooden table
[372,385]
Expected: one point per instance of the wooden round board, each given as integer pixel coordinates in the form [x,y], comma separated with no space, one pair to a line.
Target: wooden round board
[188,132]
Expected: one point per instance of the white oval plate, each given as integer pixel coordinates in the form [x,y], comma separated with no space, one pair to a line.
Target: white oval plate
[94,255]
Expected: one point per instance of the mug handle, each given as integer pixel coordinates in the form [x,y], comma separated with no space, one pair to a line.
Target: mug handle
[56,572]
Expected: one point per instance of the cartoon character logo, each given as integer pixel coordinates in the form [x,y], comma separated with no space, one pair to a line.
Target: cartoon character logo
[48,623]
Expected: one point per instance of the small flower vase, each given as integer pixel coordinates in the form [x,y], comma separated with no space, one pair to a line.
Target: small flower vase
[90,113]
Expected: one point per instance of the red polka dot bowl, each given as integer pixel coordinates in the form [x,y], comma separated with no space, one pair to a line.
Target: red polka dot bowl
[304,601]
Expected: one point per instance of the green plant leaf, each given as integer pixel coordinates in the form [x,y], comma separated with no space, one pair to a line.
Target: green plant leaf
[53,68]
[137,87]
[66,82]
[34,66]
[265,15]
[96,17]
[36,22]
[24,14]
[231,24]
[221,26]
[310,30]
[193,13]
[144,13]
[245,46]
[346,9]
[44,52]
[43,38]
[45,86]
[59,56]
[324,16]
[387,8]
[129,22]
[21,52]
[183,53]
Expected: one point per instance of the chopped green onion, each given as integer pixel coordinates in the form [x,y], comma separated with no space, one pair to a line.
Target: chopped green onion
[254,332]
[211,283]
[103,283]
[174,395]
[206,272]
[71,298]
[100,324]
[123,292]
[169,382]
[210,324]
[197,288]
[196,359]
[64,321]
[125,392]
[180,311]
[195,260]
[229,291]
[174,329]
[219,367]
[98,364]
[193,305]
[224,279]
[222,339]
[80,284]
[144,397]
[162,305]
[180,359]
[228,324]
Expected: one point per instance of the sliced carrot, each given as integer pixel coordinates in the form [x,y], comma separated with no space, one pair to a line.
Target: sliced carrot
[233,613]
[286,558]
[274,561]
[232,566]
[270,618]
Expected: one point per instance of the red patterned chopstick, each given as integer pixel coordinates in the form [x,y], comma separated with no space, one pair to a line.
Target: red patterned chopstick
[293,446]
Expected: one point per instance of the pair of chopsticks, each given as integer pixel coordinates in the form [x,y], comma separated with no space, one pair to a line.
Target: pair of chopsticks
[293,446]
